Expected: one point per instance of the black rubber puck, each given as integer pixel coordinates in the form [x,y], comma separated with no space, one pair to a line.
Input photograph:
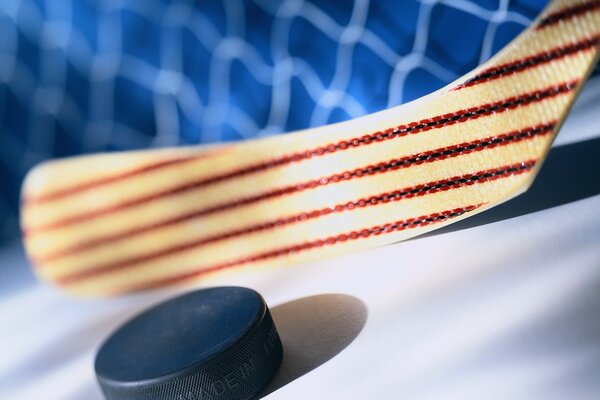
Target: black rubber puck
[217,343]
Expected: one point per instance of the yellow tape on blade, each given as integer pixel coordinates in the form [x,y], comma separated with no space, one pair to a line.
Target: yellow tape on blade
[115,223]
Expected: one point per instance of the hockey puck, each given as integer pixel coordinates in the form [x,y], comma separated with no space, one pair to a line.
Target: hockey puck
[217,343]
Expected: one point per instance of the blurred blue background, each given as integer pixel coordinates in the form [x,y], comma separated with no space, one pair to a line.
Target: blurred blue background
[85,76]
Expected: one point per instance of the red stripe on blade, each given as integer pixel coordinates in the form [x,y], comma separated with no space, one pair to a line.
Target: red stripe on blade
[447,119]
[530,62]
[455,182]
[568,13]
[94,183]
[390,165]
[377,230]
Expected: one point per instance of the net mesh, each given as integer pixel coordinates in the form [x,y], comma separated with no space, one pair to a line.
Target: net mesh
[82,76]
